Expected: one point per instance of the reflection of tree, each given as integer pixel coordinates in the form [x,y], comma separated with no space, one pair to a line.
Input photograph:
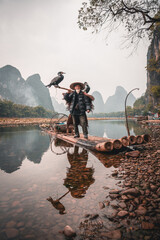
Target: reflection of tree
[15,146]
[137,128]
[79,177]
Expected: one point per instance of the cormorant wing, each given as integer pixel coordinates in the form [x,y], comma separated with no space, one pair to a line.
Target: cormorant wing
[54,80]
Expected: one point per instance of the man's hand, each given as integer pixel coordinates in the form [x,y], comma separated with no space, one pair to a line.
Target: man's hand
[69,91]
[88,111]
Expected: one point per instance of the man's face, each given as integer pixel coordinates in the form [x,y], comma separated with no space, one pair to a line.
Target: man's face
[77,87]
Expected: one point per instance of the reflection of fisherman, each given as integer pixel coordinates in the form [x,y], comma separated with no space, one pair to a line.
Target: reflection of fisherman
[79,177]
[79,103]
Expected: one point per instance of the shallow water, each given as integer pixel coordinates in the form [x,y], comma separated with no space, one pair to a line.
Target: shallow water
[35,167]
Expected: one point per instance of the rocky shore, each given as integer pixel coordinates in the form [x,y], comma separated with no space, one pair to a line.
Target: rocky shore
[132,211]
[14,122]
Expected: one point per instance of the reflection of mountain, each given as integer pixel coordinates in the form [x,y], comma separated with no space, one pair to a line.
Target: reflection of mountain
[96,128]
[16,146]
[113,128]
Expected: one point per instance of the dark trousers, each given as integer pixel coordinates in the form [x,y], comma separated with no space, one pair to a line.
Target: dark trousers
[82,120]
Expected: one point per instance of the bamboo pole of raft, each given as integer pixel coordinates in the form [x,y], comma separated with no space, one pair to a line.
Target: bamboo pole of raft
[125,141]
[139,139]
[146,138]
[104,146]
[132,140]
[117,143]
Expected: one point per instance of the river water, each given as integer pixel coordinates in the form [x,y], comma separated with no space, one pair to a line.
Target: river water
[34,167]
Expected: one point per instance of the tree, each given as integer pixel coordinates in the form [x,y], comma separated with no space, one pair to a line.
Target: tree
[139,17]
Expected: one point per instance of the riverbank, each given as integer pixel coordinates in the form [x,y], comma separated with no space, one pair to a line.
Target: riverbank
[132,211]
[14,122]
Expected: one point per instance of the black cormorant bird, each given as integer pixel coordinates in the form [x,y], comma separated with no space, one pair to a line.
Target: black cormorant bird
[55,81]
[87,87]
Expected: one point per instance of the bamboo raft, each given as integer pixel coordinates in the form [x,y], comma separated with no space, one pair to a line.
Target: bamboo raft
[100,144]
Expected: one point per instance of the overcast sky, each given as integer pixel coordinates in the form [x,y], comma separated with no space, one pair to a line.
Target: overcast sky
[42,36]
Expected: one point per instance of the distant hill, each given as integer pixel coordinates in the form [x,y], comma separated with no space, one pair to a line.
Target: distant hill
[42,93]
[31,92]
[98,102]
[116,102]
[59,107]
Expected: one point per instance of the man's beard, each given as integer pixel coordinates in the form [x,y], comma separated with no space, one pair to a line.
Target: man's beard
[78,90]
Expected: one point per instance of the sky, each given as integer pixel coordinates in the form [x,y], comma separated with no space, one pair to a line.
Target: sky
[42,36]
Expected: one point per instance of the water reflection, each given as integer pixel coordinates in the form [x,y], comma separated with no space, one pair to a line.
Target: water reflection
[114,128]
[76,179]
[18,145]
[79,176]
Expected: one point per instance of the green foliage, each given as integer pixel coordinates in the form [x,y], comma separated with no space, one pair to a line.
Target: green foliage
[9,109]
[140,103]
[139,18]
[154,65]
[156,91]
[103,115]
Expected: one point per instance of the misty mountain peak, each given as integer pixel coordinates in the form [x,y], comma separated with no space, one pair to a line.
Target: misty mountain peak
[115,103]
[31,92]
[121,90]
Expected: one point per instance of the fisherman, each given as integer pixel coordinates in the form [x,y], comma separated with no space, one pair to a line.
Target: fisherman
[79,103]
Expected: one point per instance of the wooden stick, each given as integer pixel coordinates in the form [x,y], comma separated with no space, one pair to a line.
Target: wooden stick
[88,95]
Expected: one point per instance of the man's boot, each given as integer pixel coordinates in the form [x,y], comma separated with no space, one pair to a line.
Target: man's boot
[76,136]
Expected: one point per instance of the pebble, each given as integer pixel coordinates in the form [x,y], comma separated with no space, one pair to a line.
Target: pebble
[101,205]
[122,205]
[11,233]
[11,224]
[115,173]
[69,232]
[116,234]
[114,191]
[147,225]
[131,191]
[15,203]
[113,196]
[122,214]
[141,210]
[133,154]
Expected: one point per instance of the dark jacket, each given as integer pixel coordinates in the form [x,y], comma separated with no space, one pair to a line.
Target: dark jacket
[78,103]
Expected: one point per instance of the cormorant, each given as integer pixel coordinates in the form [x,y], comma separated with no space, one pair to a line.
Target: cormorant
[55,81]
[87,87]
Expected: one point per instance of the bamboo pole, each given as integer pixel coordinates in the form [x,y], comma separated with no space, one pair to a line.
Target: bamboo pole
[132,140]
[139,139]
[125,141]
[146,138]
[104,146]
[70,90]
